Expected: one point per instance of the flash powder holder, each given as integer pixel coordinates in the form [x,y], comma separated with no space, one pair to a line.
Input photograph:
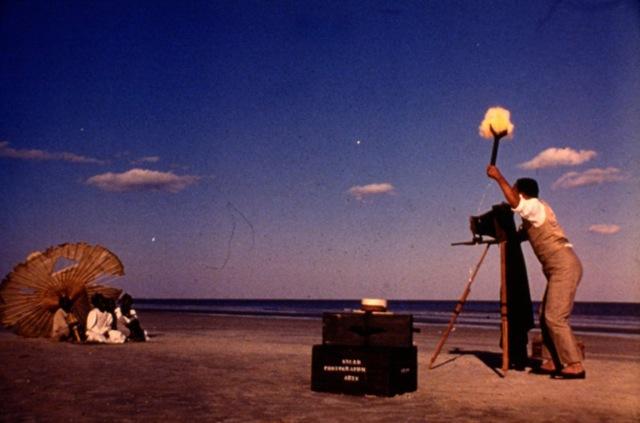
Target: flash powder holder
[497,136]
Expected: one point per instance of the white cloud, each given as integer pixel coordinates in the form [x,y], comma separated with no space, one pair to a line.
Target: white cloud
[42,155]
[147,159]
[604,229]
[589,177]
[142,180]
[552,157]
[361,191]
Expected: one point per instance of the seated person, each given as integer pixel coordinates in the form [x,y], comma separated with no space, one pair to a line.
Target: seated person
[99,323]
[128,322]
[65,324]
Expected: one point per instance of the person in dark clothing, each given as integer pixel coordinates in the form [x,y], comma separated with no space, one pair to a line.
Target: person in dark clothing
[128,321]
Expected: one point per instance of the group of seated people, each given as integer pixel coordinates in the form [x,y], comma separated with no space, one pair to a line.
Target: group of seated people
[107,322]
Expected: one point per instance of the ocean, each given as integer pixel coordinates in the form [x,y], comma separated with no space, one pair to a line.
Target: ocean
[590,317]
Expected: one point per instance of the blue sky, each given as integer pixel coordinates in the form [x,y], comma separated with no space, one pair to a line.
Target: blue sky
[276,149]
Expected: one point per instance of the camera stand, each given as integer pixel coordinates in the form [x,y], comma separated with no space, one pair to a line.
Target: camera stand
[503,304]
[516,313]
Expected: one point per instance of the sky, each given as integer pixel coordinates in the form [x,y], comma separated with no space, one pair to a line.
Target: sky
[317,149]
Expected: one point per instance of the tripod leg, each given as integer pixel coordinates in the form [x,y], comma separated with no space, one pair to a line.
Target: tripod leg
[504,322]
[458,308]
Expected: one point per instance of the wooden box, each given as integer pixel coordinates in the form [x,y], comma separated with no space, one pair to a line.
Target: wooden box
[367,329]
[358,370]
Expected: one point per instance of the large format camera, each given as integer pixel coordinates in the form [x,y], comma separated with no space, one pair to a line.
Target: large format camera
[497,224]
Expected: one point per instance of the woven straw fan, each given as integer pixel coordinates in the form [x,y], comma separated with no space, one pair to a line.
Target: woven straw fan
[29,295]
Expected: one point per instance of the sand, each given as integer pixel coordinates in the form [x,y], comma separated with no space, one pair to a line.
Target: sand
[246,369]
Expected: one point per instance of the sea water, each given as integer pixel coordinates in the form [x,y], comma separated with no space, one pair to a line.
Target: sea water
[598,317]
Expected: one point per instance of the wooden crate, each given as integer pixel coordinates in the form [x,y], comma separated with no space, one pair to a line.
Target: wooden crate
[359,370]
[367,329]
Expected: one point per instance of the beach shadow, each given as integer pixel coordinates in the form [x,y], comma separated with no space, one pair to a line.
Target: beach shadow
[443,363]
[492,360]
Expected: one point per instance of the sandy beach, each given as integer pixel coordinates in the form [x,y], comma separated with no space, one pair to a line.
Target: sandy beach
[246,369]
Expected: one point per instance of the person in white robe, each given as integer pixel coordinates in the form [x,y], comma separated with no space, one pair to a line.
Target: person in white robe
[99,324]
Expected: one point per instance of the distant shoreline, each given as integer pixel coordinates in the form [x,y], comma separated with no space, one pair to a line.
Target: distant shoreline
[356,300]
[628,326]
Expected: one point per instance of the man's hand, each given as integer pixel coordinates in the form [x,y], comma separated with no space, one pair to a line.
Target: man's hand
[494,173]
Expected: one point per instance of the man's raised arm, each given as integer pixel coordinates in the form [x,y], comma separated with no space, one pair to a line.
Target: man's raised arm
[510,194]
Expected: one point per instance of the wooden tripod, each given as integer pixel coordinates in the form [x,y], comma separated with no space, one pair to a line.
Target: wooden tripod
[503,307]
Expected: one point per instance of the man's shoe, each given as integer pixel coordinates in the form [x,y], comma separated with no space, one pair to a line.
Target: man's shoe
[564,375]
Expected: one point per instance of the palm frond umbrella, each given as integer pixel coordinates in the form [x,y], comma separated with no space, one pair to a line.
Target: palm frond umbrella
[30,293]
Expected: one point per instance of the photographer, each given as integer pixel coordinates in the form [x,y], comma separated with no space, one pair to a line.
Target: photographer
[561,267]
